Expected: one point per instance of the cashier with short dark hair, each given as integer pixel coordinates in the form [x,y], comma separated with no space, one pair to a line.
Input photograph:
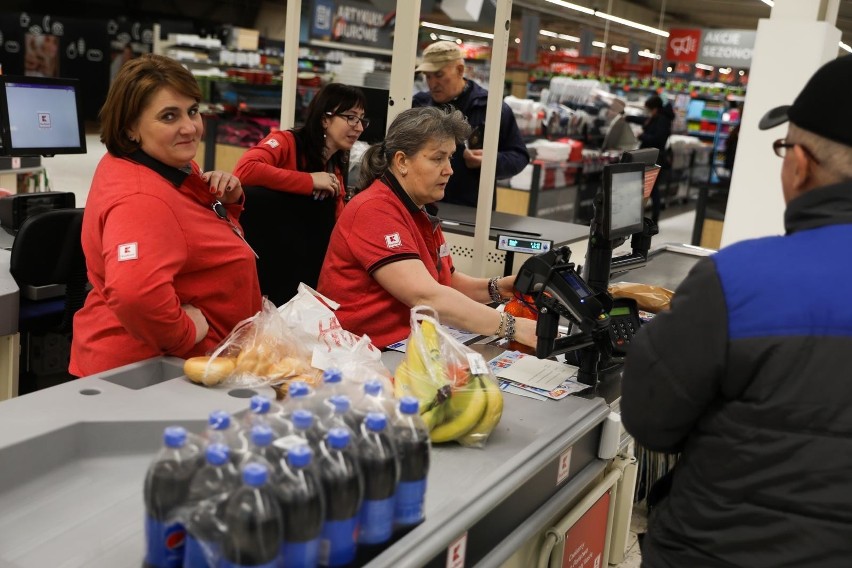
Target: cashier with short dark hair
[387,254]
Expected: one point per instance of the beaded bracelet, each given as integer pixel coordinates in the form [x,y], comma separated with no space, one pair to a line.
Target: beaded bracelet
[510,326]
[494,291]
[499,331]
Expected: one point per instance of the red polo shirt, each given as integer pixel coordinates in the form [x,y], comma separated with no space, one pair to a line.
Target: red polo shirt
[379,226]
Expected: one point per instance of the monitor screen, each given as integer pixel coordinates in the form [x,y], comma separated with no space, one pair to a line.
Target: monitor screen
[623,189]
[40,117]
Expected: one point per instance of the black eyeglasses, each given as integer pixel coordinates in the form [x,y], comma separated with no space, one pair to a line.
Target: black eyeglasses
[781,145]
[351,119]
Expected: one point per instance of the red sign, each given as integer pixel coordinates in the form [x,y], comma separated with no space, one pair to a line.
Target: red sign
[683,45]
[584,541]
[642,68]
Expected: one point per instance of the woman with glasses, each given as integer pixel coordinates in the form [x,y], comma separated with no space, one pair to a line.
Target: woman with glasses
[387,254]
[295,183]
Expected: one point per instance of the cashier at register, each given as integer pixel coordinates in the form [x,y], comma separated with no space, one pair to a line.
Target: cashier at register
[387,254]
[748,374]
[169,273]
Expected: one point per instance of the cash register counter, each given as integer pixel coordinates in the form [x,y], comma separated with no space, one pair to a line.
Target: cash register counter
[74,458]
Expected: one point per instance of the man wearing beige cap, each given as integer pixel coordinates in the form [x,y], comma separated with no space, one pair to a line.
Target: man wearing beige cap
[443,66]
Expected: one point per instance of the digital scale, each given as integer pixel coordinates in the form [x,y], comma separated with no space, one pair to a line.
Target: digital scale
[523,245]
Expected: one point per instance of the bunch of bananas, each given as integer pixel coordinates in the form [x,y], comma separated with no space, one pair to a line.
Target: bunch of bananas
[465,408]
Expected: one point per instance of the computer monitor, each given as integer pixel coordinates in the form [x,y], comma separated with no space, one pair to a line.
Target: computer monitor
[619,136]
[622,212]
[40,116]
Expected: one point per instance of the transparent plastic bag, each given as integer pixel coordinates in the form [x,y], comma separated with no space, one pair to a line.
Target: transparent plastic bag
[259,351]
[650,298]
[460,399]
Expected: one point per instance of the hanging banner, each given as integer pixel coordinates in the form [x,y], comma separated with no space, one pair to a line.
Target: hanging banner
[727,48]
[350,22]
[682,45]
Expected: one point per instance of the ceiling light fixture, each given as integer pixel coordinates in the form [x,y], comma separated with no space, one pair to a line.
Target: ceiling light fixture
[703,66]
[611,18]
[451,29]
[770,3]
[566,37]
[649,54]
[599,44]
[517,40]
[447,37]
[845,47]
[620,48]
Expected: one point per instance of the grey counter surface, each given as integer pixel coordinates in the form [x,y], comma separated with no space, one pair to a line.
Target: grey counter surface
[461,219]
[74,459]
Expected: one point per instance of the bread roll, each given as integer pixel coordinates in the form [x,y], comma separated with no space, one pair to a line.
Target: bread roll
[204,371]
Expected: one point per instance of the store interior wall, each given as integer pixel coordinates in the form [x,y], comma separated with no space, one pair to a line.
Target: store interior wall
[271,20]
[790,46]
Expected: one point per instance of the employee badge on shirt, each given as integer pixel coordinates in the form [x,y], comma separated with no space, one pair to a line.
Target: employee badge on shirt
[128,251]
[393,240]
[444,250]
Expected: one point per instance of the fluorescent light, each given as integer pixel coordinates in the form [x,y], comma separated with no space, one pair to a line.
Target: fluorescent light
[552,48]
[566,37]
[705,67]
[571,6]
[770,3]
[648,54]
[517,40]
[456,30]
[447,37]
[724,70]
[599,44]
[632,24]
[434,37]
[845,47]
[742,72]
[620,48]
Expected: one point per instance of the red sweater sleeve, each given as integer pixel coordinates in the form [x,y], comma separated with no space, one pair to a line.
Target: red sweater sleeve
[141,293]
[272,164]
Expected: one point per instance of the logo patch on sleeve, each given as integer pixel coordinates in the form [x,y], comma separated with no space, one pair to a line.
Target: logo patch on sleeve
[272,143]
[128,251]
[393,240]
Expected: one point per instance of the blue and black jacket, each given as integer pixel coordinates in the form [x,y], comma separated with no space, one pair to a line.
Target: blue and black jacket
[750,377]
[512,155]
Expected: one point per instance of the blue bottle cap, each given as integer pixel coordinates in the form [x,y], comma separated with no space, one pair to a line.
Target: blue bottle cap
[219,420]
[259,404]
[340,402]
[409,405]
[261,435]
[376,421]
[254,474]
[300,456]
[332,376]
[217,454]
[338,438]
[373,387]
[174,436]
[298,389]
[303,419]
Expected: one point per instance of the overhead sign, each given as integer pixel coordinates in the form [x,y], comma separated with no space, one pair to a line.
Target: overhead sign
[352,22]
[682,45]
[727,48]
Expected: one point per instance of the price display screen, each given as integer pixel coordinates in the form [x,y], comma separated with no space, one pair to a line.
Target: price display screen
[523,245]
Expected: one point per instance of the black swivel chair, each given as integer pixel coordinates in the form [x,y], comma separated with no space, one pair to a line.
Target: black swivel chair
[48,264]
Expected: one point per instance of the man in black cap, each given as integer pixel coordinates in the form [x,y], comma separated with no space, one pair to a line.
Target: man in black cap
[443,66]
[748,375]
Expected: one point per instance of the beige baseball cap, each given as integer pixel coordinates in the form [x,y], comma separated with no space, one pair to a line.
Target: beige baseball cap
[438,54]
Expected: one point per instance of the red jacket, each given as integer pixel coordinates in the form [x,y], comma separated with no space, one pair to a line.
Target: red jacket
[152,243]
[274,162]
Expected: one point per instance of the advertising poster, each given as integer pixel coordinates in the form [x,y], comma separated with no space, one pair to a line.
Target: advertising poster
[584,541]
[354,23]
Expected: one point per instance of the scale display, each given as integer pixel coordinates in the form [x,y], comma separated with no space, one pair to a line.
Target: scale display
[522,245]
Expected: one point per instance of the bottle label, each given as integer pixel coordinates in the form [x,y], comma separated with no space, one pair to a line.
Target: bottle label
[376,521]
[337,542]
[165,543]
[226,564]
[197,552]
[300,554]
[408,509]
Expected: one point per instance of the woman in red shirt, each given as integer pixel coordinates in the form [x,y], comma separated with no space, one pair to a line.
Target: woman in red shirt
[170,272]
[387,254]
[295,181]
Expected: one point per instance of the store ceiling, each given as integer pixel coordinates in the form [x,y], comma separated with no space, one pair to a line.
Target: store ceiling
[719,14]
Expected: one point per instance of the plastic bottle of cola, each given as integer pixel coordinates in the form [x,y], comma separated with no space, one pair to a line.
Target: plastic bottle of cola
[166,489]
[302,504]
[255,525]
[413,447]
[343,486]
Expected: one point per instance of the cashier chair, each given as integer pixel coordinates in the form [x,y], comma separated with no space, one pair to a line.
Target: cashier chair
[49,267]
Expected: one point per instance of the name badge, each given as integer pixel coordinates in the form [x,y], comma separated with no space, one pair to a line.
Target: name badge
[444,250]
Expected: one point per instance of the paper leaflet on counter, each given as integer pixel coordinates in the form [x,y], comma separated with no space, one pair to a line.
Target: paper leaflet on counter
[546,378]
[457,334]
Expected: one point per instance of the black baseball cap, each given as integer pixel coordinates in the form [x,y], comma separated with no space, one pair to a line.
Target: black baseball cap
[822,106]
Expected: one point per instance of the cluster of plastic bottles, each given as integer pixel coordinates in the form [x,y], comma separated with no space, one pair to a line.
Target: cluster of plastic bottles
[320,480]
